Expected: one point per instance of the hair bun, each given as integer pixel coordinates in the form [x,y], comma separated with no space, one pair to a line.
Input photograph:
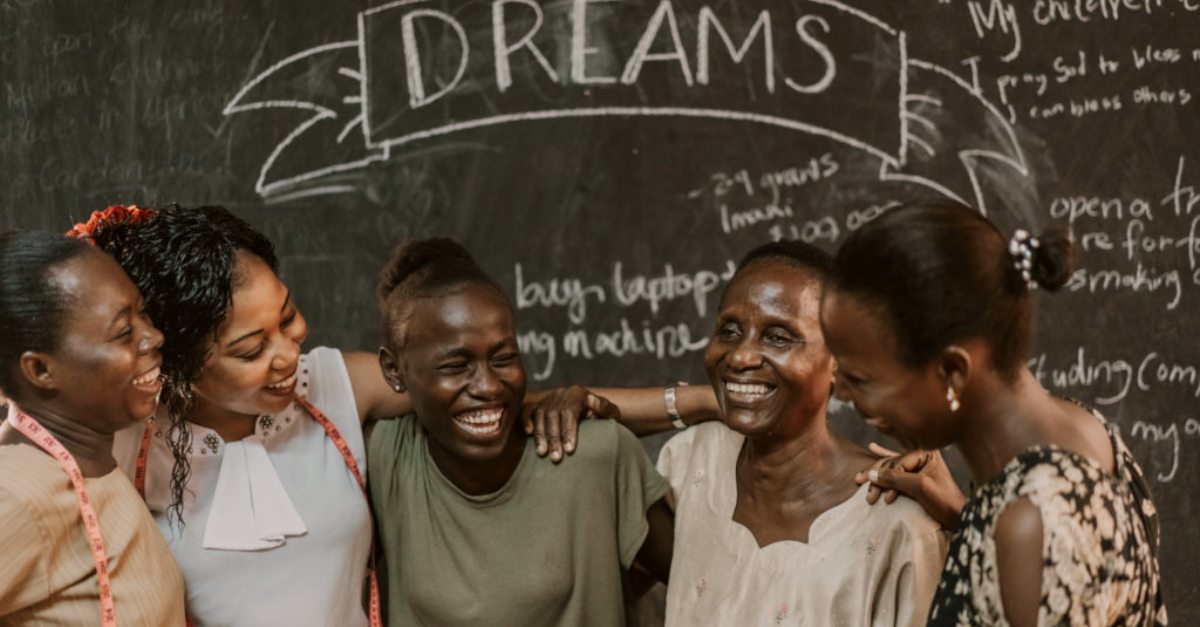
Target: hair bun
[1054,259]
[413,255]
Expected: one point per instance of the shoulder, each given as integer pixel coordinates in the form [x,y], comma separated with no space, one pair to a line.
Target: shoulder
[28,481]
[904,520]
[601,440]
[321,364]
[389,433]
[706,440]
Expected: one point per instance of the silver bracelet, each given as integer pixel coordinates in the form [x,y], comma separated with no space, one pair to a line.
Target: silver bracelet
[672,410]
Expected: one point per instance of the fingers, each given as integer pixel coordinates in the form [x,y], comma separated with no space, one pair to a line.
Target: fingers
[539,431]
[570,429]
[881,451]
[897,481]
[553,424]
[873,493]
[600,407]
[914,461]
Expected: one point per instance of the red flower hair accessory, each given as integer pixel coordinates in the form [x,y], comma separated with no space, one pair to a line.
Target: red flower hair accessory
[116,214]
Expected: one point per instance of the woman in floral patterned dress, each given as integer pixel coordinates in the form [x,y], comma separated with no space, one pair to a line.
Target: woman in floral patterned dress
[930,314]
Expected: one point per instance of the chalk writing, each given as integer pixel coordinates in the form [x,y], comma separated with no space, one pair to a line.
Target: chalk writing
[542,351]
[455,59]
[1172,434]
[1110,381]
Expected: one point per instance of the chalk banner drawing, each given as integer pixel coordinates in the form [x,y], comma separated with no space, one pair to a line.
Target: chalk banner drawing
[416,72]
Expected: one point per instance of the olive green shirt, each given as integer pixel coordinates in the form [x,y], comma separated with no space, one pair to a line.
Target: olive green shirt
[547,549]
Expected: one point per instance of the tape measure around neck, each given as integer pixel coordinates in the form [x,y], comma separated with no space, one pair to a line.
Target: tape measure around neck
[47,442]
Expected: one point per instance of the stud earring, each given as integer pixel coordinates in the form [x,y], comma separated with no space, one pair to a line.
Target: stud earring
[953,398]
[396,387]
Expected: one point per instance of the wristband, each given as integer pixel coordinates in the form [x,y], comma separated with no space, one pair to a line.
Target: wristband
[672,410]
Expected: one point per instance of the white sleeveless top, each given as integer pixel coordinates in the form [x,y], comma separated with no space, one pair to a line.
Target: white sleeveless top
[301,559]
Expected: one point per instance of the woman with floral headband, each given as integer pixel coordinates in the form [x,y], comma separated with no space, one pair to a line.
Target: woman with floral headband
[929,312]
[254,468]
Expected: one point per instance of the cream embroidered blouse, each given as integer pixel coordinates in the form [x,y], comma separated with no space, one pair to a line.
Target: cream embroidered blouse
[862,566]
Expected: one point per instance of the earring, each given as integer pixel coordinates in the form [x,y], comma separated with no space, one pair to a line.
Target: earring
[396,387]
[953,398]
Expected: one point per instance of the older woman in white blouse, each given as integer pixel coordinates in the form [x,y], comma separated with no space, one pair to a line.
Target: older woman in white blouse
[770,526]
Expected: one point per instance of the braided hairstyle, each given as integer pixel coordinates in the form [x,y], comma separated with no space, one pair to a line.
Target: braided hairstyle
[940,272]
[32,302]
[184,262]
[424,268]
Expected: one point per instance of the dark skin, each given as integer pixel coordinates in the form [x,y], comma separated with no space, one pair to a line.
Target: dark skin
[461,366]
[1001,415]
[772,374]
[103,376]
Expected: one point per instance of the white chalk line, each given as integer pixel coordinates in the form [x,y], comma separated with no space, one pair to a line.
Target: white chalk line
[924,121]
[937,102]
[720,114]
[968,157]
[313,191]
[346,129]
[923,144]
[887,175]
[867,17]
[234,107]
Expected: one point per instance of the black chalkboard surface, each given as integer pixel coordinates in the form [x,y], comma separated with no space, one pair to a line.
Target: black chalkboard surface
[608,161]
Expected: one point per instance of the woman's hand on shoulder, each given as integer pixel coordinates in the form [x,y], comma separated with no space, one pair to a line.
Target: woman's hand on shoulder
[921,475]
[552,417]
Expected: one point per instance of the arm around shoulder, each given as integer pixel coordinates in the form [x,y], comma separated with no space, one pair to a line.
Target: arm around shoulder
[372,395]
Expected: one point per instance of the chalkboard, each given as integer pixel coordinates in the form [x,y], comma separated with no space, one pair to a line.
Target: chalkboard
[607,161]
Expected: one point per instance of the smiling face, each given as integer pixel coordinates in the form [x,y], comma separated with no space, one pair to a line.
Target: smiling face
[251,367]
[906,403]
[767,360]
[462,368]
[107,366]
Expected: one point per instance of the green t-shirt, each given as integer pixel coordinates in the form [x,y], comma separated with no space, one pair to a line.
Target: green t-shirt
[549,548]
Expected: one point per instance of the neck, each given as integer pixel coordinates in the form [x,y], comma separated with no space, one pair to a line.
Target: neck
[231,426]
[1005,420]
[792,467]
[476,478]
[91,448]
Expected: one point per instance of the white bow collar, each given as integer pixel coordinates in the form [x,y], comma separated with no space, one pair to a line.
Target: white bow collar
[251,509]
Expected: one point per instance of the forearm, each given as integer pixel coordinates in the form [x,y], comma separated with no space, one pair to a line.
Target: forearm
[644,411]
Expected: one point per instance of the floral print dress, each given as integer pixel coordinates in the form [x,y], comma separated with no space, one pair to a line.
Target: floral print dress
[1100,544]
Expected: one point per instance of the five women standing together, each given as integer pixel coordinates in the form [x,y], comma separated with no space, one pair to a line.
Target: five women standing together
[256,467]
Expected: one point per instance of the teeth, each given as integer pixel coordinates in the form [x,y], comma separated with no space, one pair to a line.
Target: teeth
[147,378]
[751,389]
[283,384]
[481,421]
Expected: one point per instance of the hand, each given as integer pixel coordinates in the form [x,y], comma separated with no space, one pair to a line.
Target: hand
[921,475]
[553,421]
